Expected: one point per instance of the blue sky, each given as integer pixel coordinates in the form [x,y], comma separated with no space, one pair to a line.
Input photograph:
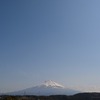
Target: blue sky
[49,39]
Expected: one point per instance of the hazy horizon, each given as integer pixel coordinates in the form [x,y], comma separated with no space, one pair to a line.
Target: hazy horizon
[49,40]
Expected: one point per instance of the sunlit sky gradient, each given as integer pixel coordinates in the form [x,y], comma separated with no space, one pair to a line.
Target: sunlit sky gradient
[49,39]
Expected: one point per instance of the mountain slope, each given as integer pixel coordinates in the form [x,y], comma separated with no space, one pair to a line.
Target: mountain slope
[47,88]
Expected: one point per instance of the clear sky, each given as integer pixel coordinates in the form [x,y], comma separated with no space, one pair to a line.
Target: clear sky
[49,39]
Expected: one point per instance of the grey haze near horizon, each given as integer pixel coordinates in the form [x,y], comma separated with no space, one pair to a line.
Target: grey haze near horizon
[49,39]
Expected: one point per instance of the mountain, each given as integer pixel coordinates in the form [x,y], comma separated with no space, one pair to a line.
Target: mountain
[47,88]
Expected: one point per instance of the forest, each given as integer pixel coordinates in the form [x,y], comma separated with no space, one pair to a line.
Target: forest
[79,96]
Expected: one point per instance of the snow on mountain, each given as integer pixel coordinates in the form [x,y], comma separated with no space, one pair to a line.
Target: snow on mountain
[47,88]
[53,84]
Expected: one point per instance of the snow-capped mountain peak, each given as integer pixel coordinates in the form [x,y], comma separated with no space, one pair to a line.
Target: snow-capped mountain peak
[51,83]
[47,88]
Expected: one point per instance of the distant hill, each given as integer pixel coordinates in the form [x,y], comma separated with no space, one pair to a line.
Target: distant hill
[47,88]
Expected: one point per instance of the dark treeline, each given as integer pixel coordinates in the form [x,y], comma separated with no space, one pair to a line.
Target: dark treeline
[79,96]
